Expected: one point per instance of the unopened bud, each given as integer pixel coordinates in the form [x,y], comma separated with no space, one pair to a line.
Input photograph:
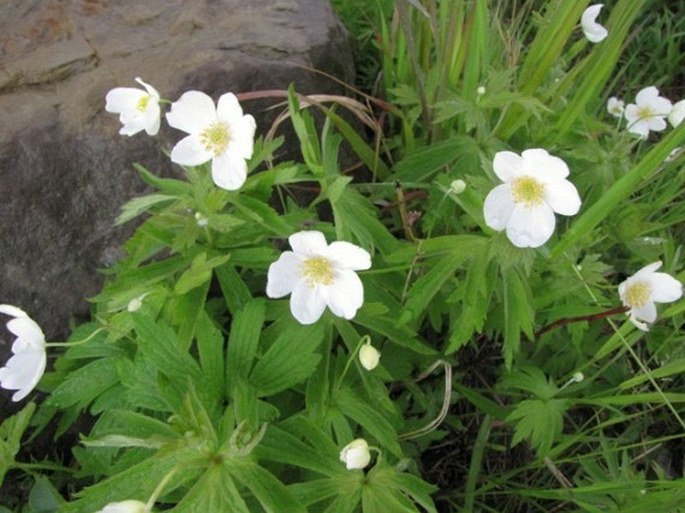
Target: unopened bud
[457,186]
[201,220]
[369,356]
[480,91]
[578,377]
[125,507]
[356,455]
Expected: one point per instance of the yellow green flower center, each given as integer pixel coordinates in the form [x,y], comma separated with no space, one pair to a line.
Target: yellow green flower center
[528,191]
[215,138]
[637,294]
[318,271]
[645,112]
[142,103]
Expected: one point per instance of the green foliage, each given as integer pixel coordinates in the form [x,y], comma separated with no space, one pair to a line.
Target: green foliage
[205,395]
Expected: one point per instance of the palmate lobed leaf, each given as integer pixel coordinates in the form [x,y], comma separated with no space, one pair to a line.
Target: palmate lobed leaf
[538,421]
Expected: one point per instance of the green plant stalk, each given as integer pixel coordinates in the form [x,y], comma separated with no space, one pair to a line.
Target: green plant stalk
[475,464]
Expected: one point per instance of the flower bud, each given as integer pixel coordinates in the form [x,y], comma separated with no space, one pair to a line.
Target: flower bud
[480,91]
[356,455]
[129,506]
[457,186]
[578,377]
[201,220]
[369,356]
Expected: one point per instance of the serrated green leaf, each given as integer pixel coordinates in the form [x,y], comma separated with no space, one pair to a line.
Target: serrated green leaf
[269,491]
[85,384]
[539,422]
[199,272]
[214,491]
[244,339]
[11,431]
[43,497]
[136,206]
[290,360]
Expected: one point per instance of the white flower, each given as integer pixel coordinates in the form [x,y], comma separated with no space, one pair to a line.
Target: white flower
[356,455]
[644,288]
[534,188]
[615,107]
[648,112]
[23,370]
[221,134]
[138,110]
[369,356]
[318,275]
[593,31]
[677,114]
[129,506]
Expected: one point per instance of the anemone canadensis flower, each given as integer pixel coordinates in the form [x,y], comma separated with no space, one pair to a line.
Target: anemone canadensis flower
[648,112]
[221,133]
[23,370]
[615,107]
[644,288]
[593,31]
[317,275]
[677,114]
[138,109]
[534,188]
[356,455]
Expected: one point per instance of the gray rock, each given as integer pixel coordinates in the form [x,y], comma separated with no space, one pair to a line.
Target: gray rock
[65,169]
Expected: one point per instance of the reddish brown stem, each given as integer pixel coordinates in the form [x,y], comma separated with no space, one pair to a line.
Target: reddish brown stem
[591,317]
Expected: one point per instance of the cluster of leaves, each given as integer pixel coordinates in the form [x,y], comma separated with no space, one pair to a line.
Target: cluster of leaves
[199,378]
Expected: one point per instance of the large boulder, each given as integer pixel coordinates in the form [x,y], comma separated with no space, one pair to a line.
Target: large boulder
[65,171]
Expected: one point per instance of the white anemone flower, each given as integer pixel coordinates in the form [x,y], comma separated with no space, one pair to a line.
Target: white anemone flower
[218,133]
[23,370]
[534,188]
[593,31]
[356,455]
[648,112]
[318,275]
[644,288]
[615,107]
[138,109]
[677,114]
[129,506]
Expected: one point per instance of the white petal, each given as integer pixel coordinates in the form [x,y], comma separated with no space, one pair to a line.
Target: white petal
[242,136]
[23,372]
[150,90]
[639,127]
[229,171]
[593,30]
[677,113]
[665,288]
[498,206]
[308,243]
[26,328]
[631,113]
[563,197]
[189,151]
[152,118]
[646,95]
[123,98]
[283,275]
[639,325]
[530,227]
[348,256]
[656,124]
[647,270]
[12,310]
[540,164]
[193,112]
[507,165]
[662,106]
[228,108]
[346,294]
[307,303]
[646,313]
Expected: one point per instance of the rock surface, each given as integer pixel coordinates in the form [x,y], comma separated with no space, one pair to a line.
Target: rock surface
[65,171]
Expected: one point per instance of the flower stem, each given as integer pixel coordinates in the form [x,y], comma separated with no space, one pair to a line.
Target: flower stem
[353,354]
[591,317]
[76,342]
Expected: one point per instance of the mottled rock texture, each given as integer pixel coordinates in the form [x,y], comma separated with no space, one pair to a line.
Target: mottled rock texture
[65,171]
